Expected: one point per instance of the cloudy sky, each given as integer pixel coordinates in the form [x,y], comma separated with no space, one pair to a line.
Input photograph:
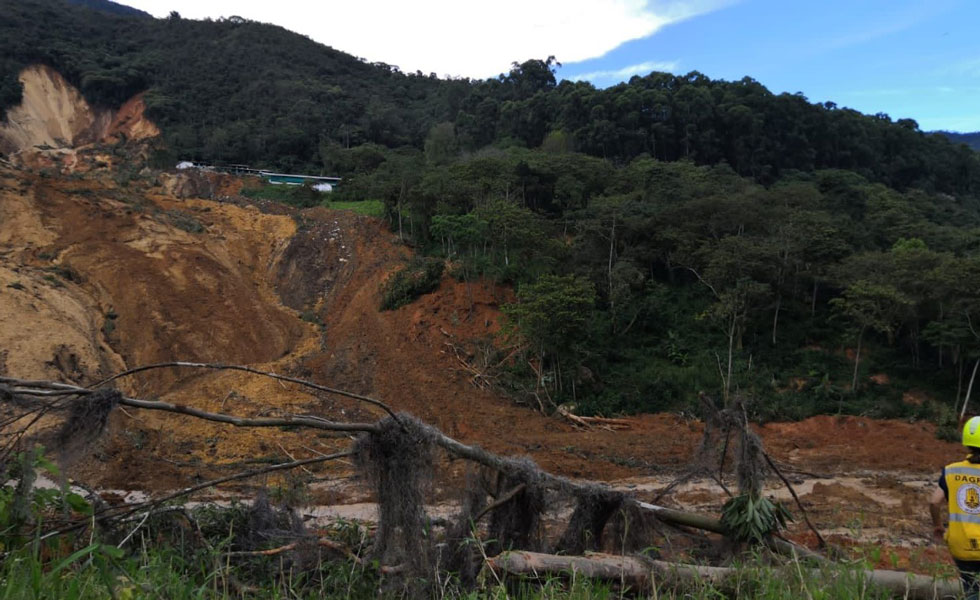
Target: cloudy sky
[915,59]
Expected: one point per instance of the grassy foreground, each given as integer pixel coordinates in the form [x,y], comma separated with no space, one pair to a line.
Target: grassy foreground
[98,572]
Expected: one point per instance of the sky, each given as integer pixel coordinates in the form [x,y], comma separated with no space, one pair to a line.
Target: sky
[917,59]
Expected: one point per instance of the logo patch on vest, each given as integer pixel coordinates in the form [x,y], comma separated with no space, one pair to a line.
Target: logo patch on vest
[968,498]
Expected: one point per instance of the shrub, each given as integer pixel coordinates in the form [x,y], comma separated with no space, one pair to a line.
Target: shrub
[418,277]
[184,221]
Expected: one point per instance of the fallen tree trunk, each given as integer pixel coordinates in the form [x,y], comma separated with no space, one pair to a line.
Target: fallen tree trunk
[42,389]
[645,574]
[706,523]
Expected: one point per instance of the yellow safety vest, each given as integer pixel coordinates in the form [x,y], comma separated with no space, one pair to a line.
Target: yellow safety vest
[963,535]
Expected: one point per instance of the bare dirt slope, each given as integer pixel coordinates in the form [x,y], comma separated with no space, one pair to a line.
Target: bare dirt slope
[53,114]
[95,277]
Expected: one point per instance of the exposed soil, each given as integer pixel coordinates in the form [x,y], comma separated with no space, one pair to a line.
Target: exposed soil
[53,114]
[109,276]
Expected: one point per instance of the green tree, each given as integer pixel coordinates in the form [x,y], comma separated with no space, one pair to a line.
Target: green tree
[441,145]
[875,306]
[550,319]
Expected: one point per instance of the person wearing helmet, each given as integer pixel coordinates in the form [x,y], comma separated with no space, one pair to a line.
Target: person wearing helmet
[959,491]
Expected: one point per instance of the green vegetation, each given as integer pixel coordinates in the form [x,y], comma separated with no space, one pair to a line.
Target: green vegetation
[159,573]
[735,240]
[369,208]
[238,91]
[306,197]
[300,196]
[420,276]
[209,552]
[793,294]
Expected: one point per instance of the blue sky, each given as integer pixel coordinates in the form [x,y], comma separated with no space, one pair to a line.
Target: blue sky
[916,59]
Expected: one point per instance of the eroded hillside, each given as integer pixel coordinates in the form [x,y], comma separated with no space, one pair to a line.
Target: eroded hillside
[99,273]
[96,277]
[53,115]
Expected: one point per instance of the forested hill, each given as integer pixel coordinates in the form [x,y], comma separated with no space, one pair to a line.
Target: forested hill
[664,236]
[111,7]
[247,92]
[970,139]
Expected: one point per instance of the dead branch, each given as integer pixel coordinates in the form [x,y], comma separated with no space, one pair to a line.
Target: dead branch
[322,542]
[236,477]
[29,388]
[450,445]
[478,378]
[500,501]
[127,510]
[223,367]
[269,552]
[588,422]
[806,518]
[706,523]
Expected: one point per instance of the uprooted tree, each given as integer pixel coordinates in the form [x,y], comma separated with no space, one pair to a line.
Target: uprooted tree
[500,524]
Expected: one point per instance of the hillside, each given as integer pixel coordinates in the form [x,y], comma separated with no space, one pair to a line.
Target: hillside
[246,92]
[970,139]
[709,235]
[598,318]
[107,6]
[99,273]
[107,264]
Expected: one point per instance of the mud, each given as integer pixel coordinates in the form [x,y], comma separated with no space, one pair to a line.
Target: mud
[112,275]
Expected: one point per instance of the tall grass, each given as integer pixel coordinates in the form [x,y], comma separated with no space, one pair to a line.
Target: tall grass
[163,573]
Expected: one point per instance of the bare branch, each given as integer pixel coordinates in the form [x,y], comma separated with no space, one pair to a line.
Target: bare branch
[134,508]
[284,421]
[702,280]
[500,501]
[806,517]
[223,367]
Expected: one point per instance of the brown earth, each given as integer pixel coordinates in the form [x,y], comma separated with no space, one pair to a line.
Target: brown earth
[109,276]
[98,274]
[54,119]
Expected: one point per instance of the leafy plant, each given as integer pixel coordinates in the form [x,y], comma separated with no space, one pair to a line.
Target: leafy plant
[420,276]
[753,519]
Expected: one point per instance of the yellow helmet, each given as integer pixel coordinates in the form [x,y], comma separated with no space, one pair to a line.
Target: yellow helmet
[971,432]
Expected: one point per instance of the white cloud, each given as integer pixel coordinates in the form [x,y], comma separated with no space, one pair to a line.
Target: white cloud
[456,37]
[626,72]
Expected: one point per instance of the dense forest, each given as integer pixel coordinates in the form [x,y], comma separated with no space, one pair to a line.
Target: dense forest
[665,236]
[234,90]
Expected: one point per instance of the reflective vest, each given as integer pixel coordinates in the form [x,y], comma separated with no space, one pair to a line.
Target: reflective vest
[963,534]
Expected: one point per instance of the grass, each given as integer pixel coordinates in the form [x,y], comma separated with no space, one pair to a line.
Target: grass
[304,197]
[370,208]
[300,196]
[98,572]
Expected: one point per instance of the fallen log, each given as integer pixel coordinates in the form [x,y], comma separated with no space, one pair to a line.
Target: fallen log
[646,574]
[706,523]
[42,389]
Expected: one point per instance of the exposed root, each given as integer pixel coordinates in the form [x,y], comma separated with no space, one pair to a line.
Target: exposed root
[593,508]
[517,523]
[86,422]
[459,554]
[397,460]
